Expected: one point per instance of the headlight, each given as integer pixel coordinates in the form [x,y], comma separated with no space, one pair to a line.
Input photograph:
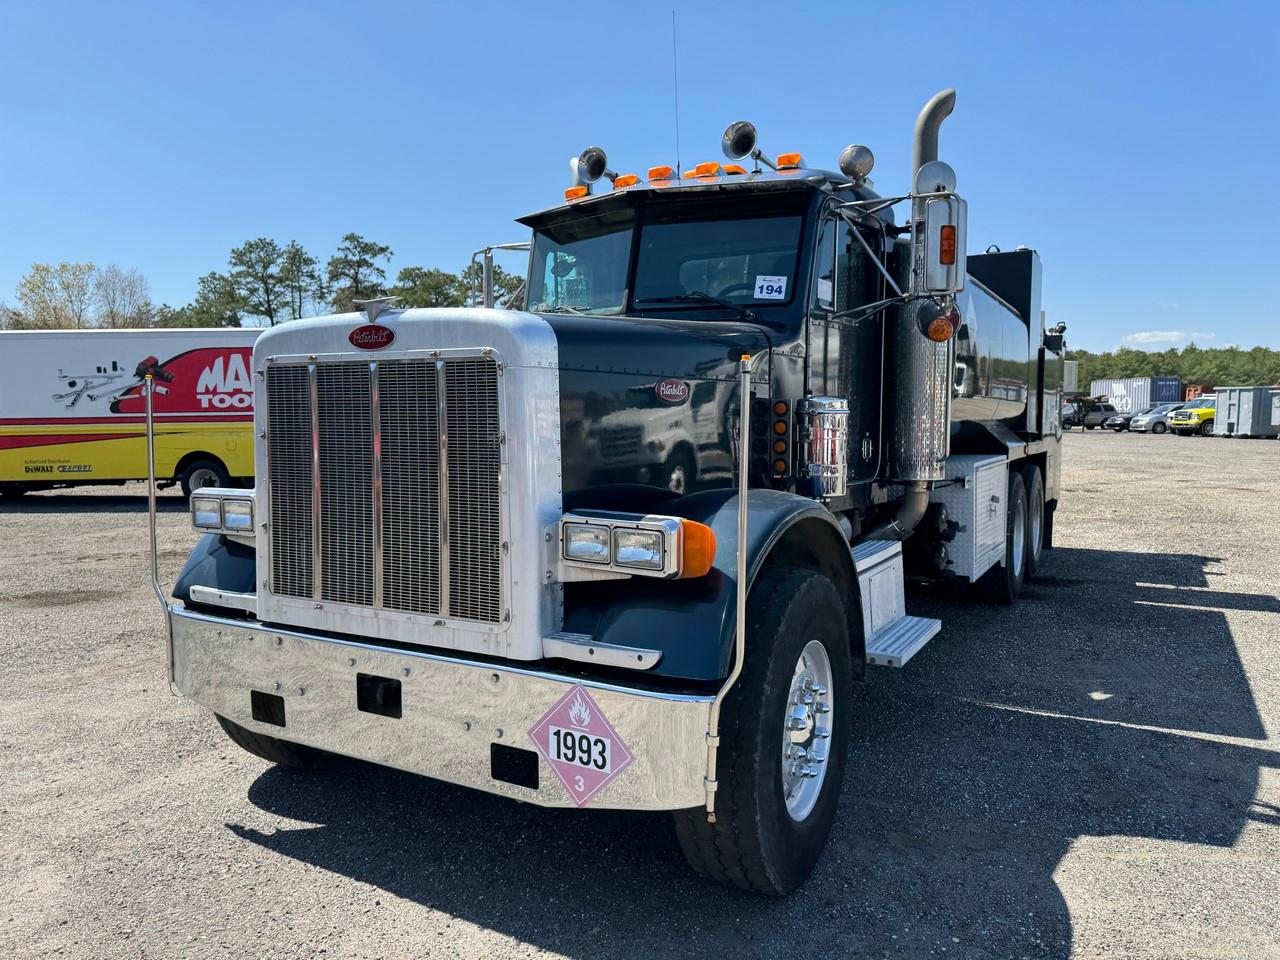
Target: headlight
[237,515]
[635,544]
[638,548]
[223,510]
[586,542]
[206,512]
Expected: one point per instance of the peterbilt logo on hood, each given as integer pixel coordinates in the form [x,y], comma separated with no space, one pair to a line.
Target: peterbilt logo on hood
[371,336]
[671,390]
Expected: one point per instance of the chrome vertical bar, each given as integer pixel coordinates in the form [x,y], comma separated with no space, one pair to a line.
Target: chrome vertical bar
[487,291]
[442,434]
[148,389]
[317,567]
[740,619]
[375,415]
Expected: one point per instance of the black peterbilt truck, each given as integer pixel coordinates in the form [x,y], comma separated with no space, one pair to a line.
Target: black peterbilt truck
[634,545]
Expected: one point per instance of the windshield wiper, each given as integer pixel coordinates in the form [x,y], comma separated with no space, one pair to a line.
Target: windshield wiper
[561,307]
[698,296]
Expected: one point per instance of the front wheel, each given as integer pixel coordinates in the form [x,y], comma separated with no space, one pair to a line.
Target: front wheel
[1158,428]
[1206,429]
[784,731]
[280,752]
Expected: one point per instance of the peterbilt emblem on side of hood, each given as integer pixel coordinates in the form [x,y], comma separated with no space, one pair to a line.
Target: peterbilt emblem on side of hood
[371,336]
[671,390]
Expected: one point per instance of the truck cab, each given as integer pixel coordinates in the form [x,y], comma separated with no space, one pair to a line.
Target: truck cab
[636,545]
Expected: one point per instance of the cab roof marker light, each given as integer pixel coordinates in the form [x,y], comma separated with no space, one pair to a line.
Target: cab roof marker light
[625,180]
[661,172]
[576,193]
[790,161]
[734,169]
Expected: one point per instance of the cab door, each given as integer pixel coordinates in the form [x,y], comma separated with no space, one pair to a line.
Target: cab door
[845,348]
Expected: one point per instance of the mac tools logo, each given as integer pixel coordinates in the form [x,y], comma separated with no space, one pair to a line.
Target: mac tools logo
[225,384]
[671,391]
[371,336]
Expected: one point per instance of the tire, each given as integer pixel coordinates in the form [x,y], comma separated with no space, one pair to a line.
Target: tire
[1206,429]
[1087,427]
[1158,428]
[203,473]
[296,756]
[1034,484]
[1003,582]
[757,843]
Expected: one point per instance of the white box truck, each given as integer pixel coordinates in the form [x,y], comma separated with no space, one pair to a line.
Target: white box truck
[72,409]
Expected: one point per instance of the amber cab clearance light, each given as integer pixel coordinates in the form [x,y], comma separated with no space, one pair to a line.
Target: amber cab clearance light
[734,169]
[789,161]
[576,193]
[661,173]
[625,180]
[708,169]
[947,245]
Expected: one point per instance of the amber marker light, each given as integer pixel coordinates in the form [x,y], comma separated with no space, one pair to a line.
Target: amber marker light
[942,327]
[661,173]
[576,193]
[779,427]
[625,180]
[947,245]
[698,550]
[789,161]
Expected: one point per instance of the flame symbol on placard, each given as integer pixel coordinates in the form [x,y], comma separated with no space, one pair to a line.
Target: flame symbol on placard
[579,712]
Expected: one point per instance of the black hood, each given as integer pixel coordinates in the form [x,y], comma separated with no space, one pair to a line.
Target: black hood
[647,401]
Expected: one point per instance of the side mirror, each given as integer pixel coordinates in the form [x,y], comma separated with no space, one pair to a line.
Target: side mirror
[938,240]
[1054,342]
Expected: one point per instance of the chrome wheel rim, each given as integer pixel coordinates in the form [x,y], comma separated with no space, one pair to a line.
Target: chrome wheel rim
[203,477]
[1037,524]
[1019,536]
[806,731]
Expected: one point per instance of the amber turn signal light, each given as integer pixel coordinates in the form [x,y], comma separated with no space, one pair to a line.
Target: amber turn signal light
[942,327]
[698,549]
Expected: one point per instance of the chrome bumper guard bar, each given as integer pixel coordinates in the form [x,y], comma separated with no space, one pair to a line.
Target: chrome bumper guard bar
[453,711]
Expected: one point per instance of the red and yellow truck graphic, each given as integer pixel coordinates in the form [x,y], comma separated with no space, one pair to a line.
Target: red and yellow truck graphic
[73,411]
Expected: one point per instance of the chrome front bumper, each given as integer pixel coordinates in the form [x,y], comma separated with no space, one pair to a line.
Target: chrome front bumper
[453,710]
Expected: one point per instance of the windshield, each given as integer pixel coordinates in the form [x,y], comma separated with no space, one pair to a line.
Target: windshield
[688,256]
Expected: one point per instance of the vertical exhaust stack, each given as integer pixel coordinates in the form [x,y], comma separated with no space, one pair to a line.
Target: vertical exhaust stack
[919,433]
[921,430]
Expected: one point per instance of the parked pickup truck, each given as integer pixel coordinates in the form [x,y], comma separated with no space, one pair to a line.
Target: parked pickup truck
[1196,417]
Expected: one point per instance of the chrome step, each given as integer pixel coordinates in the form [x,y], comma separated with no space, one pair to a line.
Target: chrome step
[895,645]
[893,638]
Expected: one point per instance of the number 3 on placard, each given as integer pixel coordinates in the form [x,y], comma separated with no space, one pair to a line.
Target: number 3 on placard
[578,784]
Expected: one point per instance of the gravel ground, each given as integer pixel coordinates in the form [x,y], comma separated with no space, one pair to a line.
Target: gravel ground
[1093,773]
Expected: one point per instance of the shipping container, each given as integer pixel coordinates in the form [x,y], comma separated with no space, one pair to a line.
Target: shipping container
[1135,394]
[1247,412]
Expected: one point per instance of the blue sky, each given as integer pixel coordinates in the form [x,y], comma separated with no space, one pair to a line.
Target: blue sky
[1132,144]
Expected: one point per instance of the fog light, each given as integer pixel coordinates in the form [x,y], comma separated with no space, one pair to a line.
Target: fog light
[237,515]
[587,542]
[637,548]
[206,512]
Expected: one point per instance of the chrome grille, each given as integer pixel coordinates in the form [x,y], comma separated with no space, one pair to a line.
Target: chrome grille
[289,460]
[393,512]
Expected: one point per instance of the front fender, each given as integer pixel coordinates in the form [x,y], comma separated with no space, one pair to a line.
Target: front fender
[692,621]
[217,562]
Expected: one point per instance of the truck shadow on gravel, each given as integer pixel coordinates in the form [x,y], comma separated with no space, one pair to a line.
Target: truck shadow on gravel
[58,503]
[1081,712]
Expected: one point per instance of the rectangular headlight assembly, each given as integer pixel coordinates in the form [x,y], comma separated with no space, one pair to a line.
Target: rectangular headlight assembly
[636,544]
[223,510]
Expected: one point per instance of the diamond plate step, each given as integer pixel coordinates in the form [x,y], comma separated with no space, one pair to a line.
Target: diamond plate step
[899,642]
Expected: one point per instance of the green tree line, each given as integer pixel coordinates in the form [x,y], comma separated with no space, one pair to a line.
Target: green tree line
[263,284]
[1219,366]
